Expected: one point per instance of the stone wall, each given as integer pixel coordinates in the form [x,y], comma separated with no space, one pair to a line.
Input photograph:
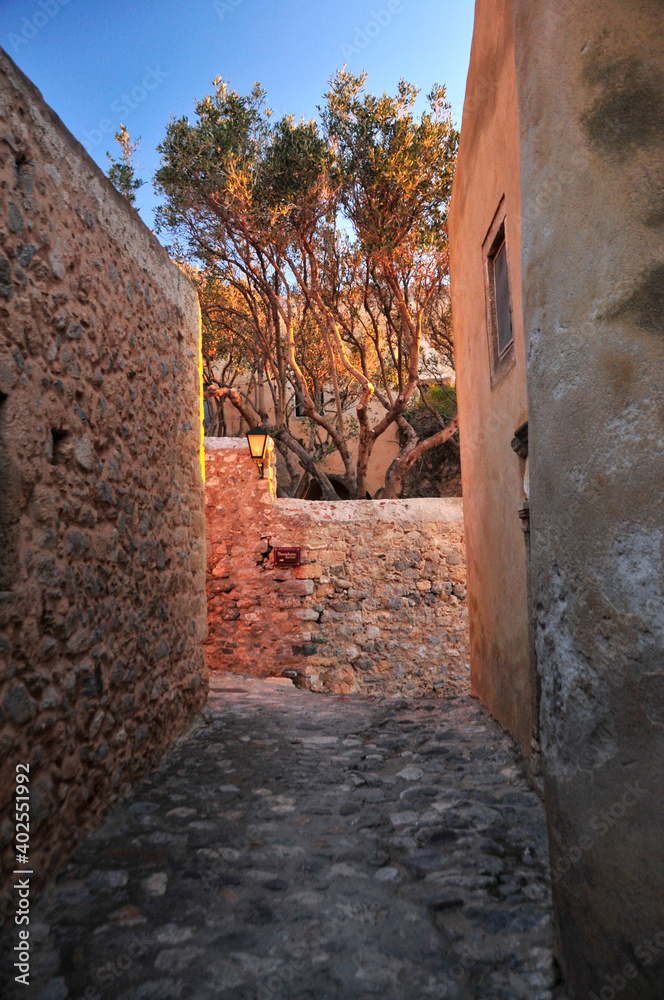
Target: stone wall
[102,607]
[591,98]
[378,603]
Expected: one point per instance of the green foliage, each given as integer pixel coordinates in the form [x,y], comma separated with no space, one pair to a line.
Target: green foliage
[210,166]
[371,166]
[394,172]
[122,172]
[442,400]
[293,169]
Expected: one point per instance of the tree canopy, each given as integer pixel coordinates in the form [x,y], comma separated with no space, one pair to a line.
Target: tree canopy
[320,253]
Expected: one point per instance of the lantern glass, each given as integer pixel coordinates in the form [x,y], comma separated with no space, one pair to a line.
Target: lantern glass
[257,439]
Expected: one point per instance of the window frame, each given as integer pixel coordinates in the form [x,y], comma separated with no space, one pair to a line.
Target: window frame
[500,361]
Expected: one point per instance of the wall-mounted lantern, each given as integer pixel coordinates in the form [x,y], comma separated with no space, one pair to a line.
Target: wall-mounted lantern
[257,440]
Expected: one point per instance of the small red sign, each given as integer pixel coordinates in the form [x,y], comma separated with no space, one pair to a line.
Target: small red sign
[286,555]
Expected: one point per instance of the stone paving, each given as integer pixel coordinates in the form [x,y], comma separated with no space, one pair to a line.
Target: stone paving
[295,846]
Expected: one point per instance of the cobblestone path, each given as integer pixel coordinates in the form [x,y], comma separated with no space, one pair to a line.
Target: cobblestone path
[296,846]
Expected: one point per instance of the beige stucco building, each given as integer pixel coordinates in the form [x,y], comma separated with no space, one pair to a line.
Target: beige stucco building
[485,217]
[558,216]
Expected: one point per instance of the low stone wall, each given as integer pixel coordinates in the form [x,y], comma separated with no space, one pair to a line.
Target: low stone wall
[102,570]
[378,603]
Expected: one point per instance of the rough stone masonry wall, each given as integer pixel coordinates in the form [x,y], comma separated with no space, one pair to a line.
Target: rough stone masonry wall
[378,603]
[102,607]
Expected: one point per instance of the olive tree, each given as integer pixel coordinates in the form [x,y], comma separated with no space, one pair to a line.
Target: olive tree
[323,244]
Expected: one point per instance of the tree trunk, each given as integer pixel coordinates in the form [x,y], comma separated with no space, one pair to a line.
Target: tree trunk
[279,434]
[409,455]
[285,453]
[307,462]
[243,406]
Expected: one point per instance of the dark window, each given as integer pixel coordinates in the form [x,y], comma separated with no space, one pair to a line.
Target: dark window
[500,334]
[501,287]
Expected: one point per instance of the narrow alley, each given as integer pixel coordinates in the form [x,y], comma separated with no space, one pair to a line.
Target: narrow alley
[294,845]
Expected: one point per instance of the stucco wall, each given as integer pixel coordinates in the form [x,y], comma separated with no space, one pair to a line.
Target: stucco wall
[378,603]
[486,182]
[591,109]
[102,604]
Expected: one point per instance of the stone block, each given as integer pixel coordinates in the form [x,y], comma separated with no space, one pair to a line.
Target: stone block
[343,607]
[306,614]
[18,704]
[302,588]
[364,663]
[289,601]
[332,557]
[312,571]
[306,649]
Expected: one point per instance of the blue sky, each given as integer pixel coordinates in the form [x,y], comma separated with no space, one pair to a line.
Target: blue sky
[99,62]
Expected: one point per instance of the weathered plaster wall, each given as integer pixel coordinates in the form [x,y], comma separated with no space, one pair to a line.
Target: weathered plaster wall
[591,109]
[378,603]
[492,474]
[102,603]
